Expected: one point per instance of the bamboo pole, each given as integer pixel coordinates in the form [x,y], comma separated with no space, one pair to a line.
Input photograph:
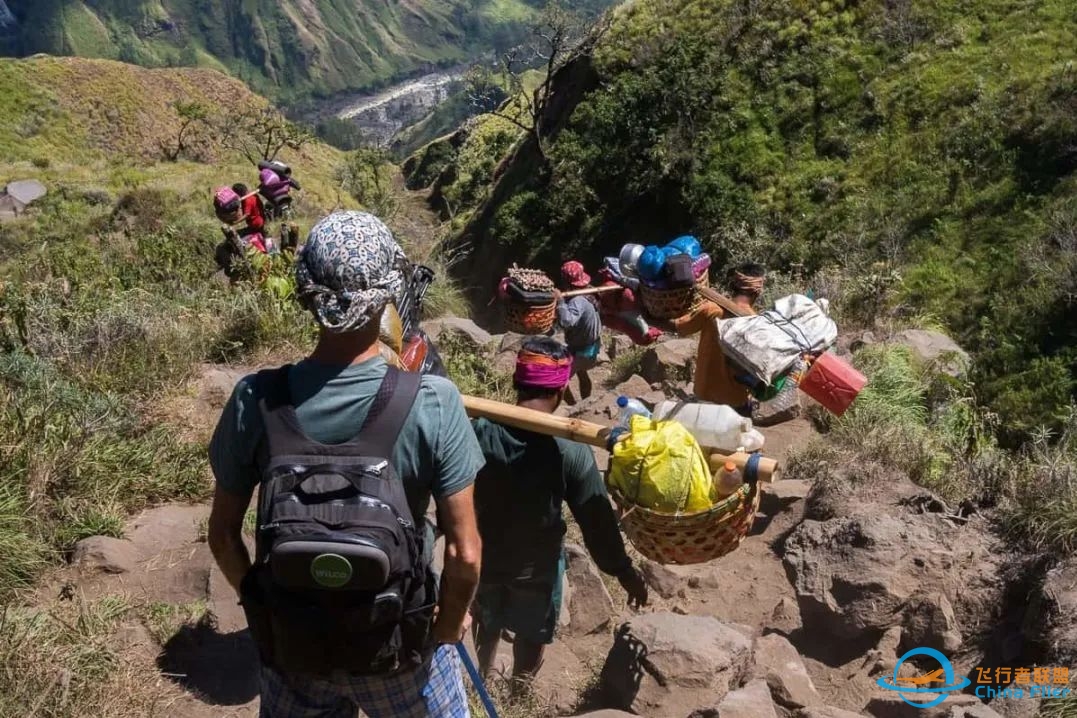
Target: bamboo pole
[724,302]
[587,432]
[593,290]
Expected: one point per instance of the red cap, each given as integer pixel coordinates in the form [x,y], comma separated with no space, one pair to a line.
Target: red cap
[573,274]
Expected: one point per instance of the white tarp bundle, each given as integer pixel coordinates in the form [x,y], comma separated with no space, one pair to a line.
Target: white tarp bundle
[768,344]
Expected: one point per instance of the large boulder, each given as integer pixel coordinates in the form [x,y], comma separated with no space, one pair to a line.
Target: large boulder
[470,332]
[106,554]
[672,360]
[589,604]
[935,349]
[859,575]
[664,665]
[778,663]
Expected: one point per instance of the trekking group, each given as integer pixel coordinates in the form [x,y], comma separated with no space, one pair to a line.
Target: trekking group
[348,451]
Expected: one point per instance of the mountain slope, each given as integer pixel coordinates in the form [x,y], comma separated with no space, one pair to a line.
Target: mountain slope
[914,157]
[287,49]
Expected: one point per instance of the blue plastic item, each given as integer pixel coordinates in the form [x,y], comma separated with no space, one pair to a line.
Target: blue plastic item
[669,250]
[476,680]
[687,244]
[649,265]
[629,408]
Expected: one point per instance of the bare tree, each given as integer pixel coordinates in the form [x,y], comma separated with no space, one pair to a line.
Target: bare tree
[366,176]
[192,116]
[558,37]
[261,133]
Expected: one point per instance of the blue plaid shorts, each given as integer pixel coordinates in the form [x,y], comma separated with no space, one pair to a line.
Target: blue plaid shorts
[435,690]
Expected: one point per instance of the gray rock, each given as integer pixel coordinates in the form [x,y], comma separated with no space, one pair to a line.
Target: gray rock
[619,345]
[978,710]
[26,191]
[472,333]
[751,701]
[890,704]
[511,342]
[827,712]
[853,575]
[107,554]
[930,621]
[671,360]
[785,618]
[779,664]
[605,714]
[663,665]
[590,606]
[664,581]
[935,349]
[634,386]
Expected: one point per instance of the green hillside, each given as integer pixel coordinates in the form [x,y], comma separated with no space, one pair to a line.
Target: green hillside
[908,158]
[291,50]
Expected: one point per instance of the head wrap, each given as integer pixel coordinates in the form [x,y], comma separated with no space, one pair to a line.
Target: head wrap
[747,283]
[348,270]
[573,274]
[537,367]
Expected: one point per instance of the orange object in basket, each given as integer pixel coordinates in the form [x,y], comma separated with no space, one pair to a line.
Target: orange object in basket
[833,382]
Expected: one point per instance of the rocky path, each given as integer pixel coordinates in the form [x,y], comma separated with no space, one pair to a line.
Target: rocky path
[834,582]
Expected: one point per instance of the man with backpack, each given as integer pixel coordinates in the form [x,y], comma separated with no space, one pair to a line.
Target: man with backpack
[340,597]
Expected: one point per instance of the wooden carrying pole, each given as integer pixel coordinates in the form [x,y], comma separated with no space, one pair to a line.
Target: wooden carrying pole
[593,290]
[587,432]
[724,302]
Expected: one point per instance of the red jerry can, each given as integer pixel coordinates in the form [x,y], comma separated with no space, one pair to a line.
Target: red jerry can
[833,382]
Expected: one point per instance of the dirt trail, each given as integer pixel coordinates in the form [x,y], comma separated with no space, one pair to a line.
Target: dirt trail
[213,664]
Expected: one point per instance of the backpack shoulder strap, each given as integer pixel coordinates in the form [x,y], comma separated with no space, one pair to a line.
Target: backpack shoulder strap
[283,435]
[390,410]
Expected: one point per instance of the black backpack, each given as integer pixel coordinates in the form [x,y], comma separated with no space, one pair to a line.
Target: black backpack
[338,582]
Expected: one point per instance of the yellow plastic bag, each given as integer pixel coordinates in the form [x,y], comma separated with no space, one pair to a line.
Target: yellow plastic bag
[660,466]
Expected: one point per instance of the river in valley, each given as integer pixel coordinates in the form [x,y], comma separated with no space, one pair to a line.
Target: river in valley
[382,115]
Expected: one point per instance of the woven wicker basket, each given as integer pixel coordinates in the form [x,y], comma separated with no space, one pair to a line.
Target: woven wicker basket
[690,538]
[671,303]
[529,319]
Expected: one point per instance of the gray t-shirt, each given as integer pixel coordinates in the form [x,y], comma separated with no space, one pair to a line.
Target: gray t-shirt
[580,320]
[436,454]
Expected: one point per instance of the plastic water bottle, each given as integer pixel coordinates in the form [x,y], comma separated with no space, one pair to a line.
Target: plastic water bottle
[630,408]
[729,479]
[715,426]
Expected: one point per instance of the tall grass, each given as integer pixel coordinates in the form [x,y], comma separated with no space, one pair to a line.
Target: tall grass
[929,427]
[61,662]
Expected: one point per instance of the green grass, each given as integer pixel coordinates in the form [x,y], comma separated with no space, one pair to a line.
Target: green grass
[470,370]
[164,620]
[916,151]
[62,662]
[625,365]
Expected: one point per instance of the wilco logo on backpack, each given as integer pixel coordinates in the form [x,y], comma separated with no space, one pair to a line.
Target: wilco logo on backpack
[338,582]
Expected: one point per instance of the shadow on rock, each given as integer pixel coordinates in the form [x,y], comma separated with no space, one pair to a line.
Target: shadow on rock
[221,669]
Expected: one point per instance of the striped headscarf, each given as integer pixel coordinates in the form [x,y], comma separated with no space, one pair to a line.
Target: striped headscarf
[348,270]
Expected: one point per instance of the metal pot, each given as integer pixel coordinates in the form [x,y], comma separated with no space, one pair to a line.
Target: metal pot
[630,254]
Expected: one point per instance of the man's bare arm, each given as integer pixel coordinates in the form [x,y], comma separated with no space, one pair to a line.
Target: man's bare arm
[463,558]
[226,535]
